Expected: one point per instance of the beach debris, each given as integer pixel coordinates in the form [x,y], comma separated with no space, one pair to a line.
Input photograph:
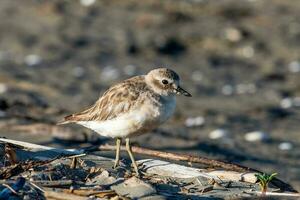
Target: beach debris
[256,136]
[218,134]
[12,190]
[194,121]
[33,60]
[285,146]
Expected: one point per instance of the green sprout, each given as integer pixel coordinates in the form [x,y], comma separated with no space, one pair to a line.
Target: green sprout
[264,180]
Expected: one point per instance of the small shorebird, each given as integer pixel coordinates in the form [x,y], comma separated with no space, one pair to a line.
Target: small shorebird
[132,107]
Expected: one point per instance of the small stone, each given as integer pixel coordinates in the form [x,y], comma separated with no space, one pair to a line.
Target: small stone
[2,114]
[103,179]
[33,60]
[78,72]
[256,136]
[227,90]
[3,88]
[285,146]
[197,76]
[87,2]
[232,34]
[286,103]
[246,88]
[294,67]
[194,121]
[134,188]
[296,101]
[247,51]
[130,70]
[110,73]
[218,133]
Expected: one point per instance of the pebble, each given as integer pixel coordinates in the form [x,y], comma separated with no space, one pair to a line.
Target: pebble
[256,136]
[78,72]
[134,188]
[110,73]
[286,103]
[247,51]
[218,134]
[130,70]
[227,90]
[3,88]
[197,76]
[232,34]
[246,88]
[194,121]
[289,102]
[294,67]
[285,146]
[2,113]
[32,60]
[87,2]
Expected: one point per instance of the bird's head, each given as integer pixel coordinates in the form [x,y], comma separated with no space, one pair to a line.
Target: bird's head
[165,82]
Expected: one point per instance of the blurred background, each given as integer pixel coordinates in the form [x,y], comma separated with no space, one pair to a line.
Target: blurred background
[239,59]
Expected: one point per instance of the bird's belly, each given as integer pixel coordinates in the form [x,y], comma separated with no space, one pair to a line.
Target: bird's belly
[136,122]
[124,125]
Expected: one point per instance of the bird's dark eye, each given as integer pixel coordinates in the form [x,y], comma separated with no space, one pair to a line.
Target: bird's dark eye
[165,82]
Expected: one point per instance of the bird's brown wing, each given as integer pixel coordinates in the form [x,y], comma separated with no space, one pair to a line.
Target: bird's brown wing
[115,101]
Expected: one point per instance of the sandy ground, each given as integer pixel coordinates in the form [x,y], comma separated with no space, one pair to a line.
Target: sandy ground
[239,59]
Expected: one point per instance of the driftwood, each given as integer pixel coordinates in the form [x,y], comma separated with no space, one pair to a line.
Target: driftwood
[63,196]
[194,159]
[164,168]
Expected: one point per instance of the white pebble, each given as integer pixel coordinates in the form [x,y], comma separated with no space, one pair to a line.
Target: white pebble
[227,90]
[247,51]
[218,133]
[3,88]
[256,136]
[194,121]
[110,73]
[286,103]
[87,2]
[232,34]
[294,67]
[32,60]
[246,88]
[78,71]
[285,146]
[130,70]
[296,101]
[197,76]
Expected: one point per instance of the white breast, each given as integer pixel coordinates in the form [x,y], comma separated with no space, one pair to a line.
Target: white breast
[147,116]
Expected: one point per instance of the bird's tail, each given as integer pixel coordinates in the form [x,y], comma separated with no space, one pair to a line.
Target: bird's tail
[68,119]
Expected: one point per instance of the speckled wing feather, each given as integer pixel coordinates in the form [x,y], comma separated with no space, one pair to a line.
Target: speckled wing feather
[116,100]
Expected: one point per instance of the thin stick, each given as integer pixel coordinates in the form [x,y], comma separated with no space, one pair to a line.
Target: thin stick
[194,159]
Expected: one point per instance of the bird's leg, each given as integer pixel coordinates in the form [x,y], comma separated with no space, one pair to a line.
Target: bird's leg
[118,145]
[128,148]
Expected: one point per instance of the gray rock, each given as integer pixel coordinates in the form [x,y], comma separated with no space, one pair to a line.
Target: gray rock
[134,188]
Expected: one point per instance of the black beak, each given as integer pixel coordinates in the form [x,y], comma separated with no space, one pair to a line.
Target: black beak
[181,91]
